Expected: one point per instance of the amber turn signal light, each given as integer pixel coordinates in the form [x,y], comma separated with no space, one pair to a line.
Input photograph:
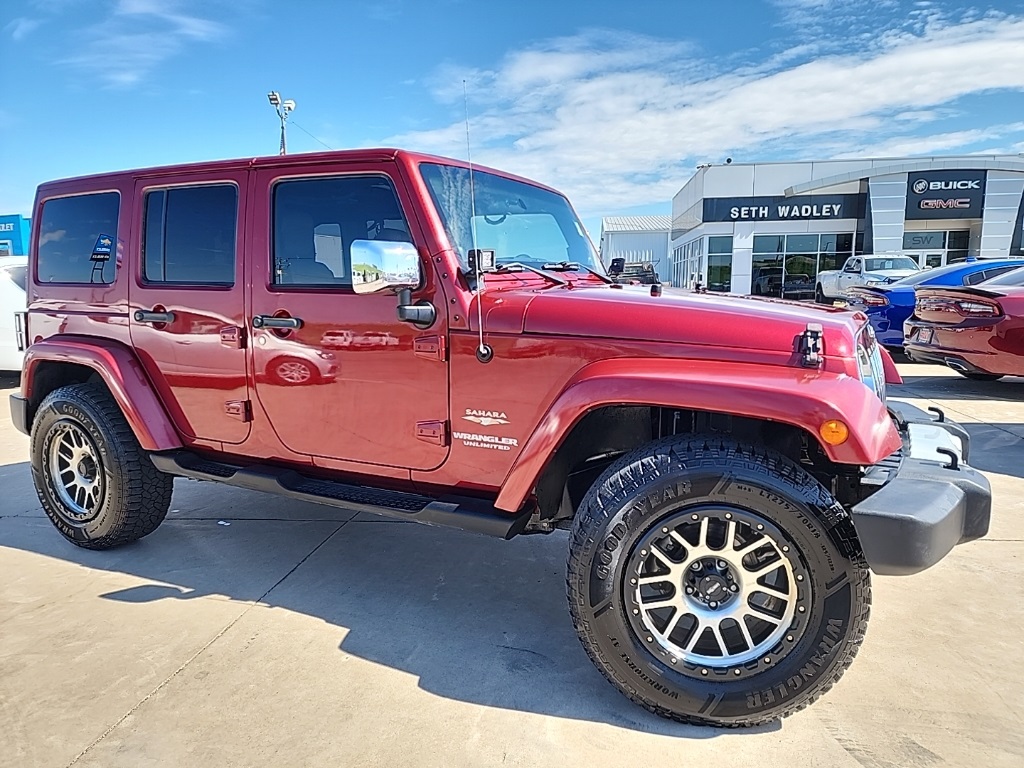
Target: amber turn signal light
[834,432]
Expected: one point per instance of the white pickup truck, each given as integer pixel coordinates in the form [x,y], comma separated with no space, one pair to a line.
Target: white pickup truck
[862,270]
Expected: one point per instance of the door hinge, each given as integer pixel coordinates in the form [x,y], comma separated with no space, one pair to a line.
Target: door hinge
[233,336]
[430,347]
[239,409]
[433,432]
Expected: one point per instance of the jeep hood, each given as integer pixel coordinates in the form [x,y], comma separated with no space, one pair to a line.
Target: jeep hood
[678,316]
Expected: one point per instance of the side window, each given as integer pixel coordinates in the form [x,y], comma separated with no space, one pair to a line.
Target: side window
[315,222]
[853,266]
[189,235]
[988,274]
[71,232]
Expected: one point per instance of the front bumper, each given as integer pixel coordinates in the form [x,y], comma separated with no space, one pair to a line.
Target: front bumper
[19,413]
[928,498]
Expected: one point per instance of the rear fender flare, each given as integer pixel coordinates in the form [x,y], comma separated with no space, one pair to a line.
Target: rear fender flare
[801,397]
[117,366]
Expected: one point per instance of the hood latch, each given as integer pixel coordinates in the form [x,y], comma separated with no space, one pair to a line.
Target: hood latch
[812,345]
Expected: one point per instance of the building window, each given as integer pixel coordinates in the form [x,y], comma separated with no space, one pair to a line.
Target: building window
[71,235]
[189,235]
[787,266]
[720,263]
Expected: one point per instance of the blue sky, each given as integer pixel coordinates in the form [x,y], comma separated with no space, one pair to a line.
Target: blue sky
[614,103]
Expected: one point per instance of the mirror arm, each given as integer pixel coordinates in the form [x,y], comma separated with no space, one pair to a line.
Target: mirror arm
[422,314]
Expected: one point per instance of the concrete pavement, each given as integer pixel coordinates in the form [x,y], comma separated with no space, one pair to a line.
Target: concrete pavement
[300,635]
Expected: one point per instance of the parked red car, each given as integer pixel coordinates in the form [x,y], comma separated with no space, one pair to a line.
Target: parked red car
[977,331]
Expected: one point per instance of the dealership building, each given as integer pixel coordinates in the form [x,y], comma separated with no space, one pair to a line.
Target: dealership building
[771,227]
[14,231]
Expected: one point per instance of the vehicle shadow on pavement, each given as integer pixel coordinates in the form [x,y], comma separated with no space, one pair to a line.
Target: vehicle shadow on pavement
[996,448]
[474,619]
[958,388]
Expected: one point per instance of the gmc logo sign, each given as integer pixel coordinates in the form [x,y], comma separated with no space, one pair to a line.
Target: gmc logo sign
[923,185]
[931,205]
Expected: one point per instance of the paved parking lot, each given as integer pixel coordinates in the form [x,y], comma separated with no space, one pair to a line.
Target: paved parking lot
[250,630]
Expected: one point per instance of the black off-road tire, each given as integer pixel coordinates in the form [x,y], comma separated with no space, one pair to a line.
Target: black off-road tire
[820,297]
[134,496]
[692,473]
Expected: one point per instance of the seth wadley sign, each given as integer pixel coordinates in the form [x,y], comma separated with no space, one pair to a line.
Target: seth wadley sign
[784,208]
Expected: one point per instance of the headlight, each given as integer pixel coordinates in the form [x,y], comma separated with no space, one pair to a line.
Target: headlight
[869,362]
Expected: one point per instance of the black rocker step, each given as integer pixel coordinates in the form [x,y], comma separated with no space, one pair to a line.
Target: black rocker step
[453,511]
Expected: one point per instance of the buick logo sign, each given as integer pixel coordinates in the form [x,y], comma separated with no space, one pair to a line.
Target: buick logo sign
[923,185]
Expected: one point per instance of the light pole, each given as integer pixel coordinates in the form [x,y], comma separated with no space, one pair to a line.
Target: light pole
[284,108]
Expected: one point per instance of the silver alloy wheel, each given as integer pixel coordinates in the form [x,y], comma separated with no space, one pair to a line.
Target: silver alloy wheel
[76,472]
[294,372]
[715,588]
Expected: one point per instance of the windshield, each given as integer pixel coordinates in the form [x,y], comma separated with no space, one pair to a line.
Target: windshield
[1016,277]
[890,262]
[521,223]
[18,274]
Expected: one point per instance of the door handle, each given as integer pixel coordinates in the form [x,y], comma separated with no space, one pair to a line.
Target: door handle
[142,316]
[269,321]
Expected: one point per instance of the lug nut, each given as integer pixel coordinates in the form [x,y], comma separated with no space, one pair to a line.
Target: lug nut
[632,581]
[703,671]
[801,609]
[689,590]
[789,638]
[650,639]
[695,566]
[636,611]
[760,527]
[673,660]
[734,588]
[767,660]
[712,604]
[799,578]
[737,672]
[785,549]
[728,515]
[664,530]
[695,517]
[722,564]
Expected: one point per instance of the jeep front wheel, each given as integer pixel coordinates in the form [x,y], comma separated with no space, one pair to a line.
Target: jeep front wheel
[95,482]
[716,583]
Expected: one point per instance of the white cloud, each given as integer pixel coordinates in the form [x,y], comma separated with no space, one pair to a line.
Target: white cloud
[139,35]
[21,27]
[620,121]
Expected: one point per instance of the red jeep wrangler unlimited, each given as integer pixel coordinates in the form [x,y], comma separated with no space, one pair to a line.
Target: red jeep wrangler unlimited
[402,334]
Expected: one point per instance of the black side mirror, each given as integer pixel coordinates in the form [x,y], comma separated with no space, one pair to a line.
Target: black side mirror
[618,266]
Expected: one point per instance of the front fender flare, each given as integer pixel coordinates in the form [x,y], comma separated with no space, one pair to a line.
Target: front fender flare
[122,374]
[800,397]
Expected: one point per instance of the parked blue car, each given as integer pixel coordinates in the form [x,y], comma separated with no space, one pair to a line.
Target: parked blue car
[887,306]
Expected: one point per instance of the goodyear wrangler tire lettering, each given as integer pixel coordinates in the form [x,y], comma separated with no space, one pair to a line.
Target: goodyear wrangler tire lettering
[649,498]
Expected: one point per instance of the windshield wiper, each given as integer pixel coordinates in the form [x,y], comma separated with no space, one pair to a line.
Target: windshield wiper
[515,266]
[575,266]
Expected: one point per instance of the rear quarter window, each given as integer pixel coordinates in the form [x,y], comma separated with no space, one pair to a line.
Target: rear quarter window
[69,230]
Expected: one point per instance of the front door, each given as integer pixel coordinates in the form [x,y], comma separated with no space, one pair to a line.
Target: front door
[337,373]
[187,300]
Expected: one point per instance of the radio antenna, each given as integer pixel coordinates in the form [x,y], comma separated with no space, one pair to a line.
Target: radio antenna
[484,352]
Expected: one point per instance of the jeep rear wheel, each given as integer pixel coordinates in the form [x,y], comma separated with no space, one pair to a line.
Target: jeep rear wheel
[716,583]
[94,481]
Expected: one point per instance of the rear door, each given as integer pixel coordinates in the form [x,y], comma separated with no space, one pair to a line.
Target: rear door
[344,379]
[187,313]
